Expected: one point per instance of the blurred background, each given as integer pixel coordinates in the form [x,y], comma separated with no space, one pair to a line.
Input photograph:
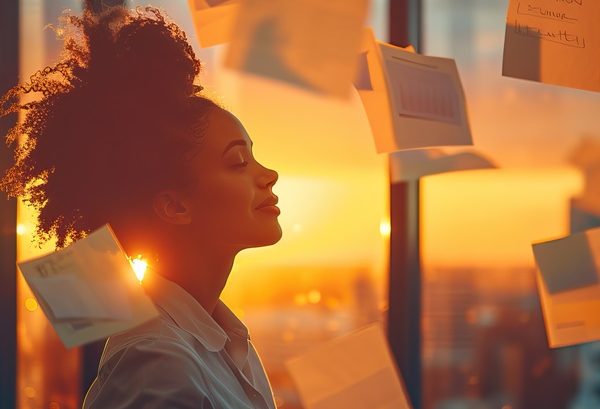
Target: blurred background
[479,334]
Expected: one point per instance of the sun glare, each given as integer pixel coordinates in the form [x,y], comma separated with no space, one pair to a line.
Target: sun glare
[139,267]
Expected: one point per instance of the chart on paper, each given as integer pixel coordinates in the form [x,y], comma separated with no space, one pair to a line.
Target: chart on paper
[423,92]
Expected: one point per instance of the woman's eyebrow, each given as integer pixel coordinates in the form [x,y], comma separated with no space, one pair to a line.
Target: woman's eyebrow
[234,143]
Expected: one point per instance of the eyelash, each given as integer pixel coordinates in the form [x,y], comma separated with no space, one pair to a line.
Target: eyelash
[241,164]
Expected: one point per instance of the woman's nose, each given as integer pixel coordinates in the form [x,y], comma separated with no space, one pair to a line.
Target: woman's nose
[267,178]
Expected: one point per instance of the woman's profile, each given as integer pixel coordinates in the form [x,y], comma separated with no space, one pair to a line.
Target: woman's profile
[119,133]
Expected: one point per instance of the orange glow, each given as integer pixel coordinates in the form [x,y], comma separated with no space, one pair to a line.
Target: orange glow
[491,217]
[139,266]
[333,193]
[385,228]
[30,392]
[314,296]
[300,299]
[21,229]
[31,304]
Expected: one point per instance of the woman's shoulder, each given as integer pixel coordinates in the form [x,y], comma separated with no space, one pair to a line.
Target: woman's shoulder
[151,363]
[160,333]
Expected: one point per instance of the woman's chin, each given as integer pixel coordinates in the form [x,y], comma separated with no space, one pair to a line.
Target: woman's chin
[272,238]
[266,238]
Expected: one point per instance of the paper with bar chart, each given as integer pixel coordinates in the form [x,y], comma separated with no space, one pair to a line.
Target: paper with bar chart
[412,101]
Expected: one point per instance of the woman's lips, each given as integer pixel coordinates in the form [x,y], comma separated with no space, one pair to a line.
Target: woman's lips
[270,209]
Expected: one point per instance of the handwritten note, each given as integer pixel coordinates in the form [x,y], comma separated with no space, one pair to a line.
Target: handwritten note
[554,41]
[569,287]
[88,290]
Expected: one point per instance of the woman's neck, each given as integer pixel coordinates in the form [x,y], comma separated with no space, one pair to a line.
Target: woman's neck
[202,274]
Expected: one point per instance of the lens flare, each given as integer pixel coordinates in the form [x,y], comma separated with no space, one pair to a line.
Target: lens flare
[139,267]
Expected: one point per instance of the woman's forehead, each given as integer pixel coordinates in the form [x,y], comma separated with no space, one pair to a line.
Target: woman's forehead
[222,129]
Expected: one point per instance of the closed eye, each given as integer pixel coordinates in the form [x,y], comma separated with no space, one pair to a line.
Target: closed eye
[240,165]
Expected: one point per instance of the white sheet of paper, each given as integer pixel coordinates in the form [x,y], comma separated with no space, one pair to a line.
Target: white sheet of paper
[213,20]
[88,290]
[415,101]
[355,371]
[568,279]
[553,41]
[413,164]
[70,297]
[308,43]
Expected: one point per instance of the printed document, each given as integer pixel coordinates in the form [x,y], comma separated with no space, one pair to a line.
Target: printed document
[412,101]
[355,371]
[569,286]
[88,290]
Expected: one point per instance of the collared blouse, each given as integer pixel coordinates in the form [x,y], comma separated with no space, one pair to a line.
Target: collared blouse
[185,358]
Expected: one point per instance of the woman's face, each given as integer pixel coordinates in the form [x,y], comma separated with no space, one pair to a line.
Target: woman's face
[232,203]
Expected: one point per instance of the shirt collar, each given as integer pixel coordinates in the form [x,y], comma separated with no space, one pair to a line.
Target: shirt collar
[189,315]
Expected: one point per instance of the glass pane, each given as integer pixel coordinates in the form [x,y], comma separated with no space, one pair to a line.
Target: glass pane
[327,275]
[484,343]
[48,375]
[484,338]
[516,122]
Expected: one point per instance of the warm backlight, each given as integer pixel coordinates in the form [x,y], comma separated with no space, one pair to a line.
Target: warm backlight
[139,267]
[491,217]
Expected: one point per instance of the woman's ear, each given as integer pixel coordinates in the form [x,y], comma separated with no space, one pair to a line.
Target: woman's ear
[172,207]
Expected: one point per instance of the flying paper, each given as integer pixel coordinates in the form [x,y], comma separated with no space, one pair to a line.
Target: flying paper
[569,286]
[308,43]
[88,290]
[352,372]
[413,164]
[553,41]
[213,20]
[413,101]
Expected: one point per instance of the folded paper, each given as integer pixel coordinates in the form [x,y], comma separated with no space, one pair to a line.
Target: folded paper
[414,101]
[88,290]
[355,371]
[569,286]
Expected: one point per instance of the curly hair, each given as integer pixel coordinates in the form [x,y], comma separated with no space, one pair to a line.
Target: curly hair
[111,125]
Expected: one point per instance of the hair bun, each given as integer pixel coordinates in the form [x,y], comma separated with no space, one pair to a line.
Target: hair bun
[112,124]
[140,55]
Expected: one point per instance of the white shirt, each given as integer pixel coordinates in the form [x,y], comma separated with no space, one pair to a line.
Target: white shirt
[186,358]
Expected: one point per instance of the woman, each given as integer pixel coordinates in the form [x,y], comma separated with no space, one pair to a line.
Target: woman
[120,135]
